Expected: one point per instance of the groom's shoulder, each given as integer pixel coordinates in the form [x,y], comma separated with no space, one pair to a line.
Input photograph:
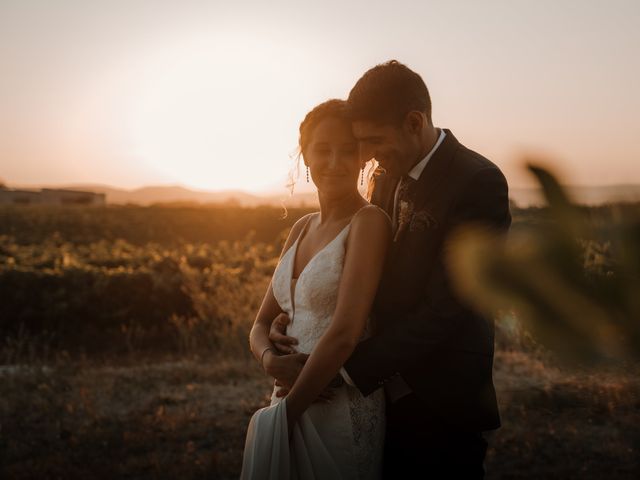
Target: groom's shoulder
[470,164]
[473,161]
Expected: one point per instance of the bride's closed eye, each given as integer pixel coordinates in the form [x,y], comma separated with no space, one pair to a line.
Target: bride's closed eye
[321,150]
[350,149]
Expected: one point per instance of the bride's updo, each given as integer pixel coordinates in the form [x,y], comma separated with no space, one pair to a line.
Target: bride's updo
[333,108]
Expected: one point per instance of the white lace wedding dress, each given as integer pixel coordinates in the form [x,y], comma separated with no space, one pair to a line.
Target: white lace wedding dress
[342,439]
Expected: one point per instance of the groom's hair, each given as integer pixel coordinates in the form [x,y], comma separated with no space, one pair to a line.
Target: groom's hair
[387,92]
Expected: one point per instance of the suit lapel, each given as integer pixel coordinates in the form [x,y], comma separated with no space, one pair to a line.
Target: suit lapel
[425,190]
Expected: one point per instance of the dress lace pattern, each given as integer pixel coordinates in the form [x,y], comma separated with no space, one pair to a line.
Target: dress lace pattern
[350,426]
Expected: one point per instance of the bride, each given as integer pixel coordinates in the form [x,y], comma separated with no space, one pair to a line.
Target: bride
[325,281]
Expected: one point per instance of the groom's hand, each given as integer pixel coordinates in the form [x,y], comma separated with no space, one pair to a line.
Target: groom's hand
[277,335]
[285,368]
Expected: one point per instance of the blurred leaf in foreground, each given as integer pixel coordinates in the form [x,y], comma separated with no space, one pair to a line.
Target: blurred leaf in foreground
[573,281]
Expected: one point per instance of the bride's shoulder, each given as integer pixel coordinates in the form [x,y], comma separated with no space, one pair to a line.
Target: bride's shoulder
[373,216]
[370,229]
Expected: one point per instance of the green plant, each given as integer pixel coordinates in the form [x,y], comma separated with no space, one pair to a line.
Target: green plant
[573,280]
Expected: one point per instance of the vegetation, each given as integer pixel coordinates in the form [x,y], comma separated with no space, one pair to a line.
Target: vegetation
[572,279]
[167,226]
[124,347]
[85,280]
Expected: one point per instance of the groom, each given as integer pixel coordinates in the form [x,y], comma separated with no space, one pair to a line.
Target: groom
[431,352]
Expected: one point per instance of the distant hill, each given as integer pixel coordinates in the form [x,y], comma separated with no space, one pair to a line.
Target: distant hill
[178,194]
[162,194]
[523,197]
[526,197]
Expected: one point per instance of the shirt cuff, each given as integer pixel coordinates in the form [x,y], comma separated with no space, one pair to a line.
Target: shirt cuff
[346,377]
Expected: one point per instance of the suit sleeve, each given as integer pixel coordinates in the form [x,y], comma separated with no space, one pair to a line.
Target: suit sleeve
[439,315]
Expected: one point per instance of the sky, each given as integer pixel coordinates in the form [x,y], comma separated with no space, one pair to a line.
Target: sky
[209,94]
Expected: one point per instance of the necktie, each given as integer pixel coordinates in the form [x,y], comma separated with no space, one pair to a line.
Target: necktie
[402,196]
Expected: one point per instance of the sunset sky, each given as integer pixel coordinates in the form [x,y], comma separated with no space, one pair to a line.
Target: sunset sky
[209,94]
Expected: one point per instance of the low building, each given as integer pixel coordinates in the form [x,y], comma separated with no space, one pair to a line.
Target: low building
[50,196]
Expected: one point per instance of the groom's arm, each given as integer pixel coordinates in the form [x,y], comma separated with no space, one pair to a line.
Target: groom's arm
[438,318]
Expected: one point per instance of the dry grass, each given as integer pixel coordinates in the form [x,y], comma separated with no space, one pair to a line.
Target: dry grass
[559,424]
[176,419]
[183,418]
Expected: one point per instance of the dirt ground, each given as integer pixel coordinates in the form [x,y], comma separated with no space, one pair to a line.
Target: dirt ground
[188,418]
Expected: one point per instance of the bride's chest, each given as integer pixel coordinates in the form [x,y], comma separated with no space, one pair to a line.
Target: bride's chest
[314,293]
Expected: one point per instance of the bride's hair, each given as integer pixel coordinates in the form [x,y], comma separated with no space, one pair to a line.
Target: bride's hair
[333,108]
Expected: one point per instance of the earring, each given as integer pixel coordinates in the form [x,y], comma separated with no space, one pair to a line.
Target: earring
[307,173]
[362,177]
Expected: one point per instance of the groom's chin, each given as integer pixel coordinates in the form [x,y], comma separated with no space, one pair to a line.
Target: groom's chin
[388,170]
[383,168]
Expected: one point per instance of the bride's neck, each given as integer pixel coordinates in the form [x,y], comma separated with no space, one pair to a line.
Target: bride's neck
[336,208]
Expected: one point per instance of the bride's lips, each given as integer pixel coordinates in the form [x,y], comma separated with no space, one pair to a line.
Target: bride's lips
[333,175]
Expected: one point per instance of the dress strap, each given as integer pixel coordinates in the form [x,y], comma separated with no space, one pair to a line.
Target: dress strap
[304,229]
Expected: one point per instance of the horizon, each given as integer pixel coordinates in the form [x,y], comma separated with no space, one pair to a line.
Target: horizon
[209,98]
[307,189]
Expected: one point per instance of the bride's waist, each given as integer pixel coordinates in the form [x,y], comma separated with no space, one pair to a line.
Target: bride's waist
[308,332]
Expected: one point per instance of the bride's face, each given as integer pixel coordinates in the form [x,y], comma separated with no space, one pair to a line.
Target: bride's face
[332,157]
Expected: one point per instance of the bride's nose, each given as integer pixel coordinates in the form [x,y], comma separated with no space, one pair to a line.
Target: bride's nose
[334,160]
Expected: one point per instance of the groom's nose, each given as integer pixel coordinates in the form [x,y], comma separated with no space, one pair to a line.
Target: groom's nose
[366,152]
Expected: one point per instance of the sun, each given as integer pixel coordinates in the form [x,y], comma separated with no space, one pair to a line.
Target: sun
[215,111]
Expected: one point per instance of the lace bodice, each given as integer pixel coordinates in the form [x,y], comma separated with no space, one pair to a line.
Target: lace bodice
[311,299]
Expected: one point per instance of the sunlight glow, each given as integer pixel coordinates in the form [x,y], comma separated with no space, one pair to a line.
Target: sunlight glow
[209,110]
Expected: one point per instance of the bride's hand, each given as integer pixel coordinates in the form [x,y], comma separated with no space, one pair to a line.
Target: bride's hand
[284,368]
[277,334]
[325,396]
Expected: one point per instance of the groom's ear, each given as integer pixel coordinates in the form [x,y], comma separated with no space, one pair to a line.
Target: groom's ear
[414,121]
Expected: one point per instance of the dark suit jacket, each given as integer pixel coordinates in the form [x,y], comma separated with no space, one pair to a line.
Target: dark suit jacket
[424,332]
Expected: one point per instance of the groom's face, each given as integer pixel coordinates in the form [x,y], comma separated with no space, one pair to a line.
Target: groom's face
[393,146]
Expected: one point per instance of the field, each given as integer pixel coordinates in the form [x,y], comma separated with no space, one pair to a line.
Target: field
[124,353]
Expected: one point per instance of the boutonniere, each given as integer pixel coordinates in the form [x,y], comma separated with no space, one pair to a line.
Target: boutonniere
[421,220]
[404,217]
[416,221]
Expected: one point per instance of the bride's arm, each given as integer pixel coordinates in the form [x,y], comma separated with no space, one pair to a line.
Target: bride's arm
[269,309]
[367,246]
